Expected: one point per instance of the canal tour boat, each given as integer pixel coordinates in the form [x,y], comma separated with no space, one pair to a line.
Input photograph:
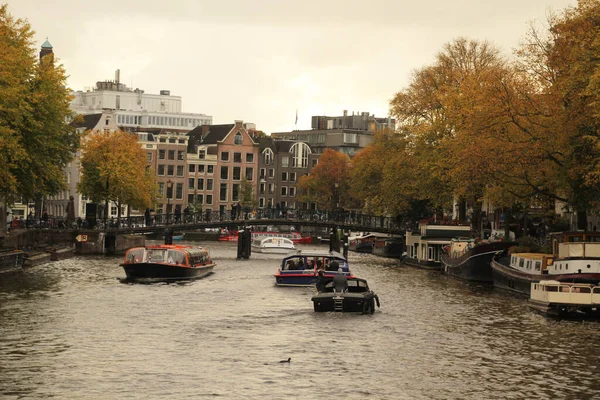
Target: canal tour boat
[273,245]
[162,263]
[296,237]
[469,259]
[575,259]
[354,295]
[300,268]
[565,299]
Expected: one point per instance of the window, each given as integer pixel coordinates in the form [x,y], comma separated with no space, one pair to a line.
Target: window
[271,188]
[210,169]
[201,168]
[181,155]
[200,199]
[161,189]
[224,156]
[285,161]
[191,182]
[315,162]
[237,157]
[262,174]
[292,191]
[224,172]
[172,140]
[161,170]
[190,199]
[351,138]
[268,156]
[261,202]
[261,188]
[202,154]
[284,190]
[201,184]
[271,173]
[209,184]
[179,191]
[171,154]
[235,192]
[292,177]
[180,170]
[209,199]
[161,154]
[249,173]
[284,176]
[249,157]
[149,156]
[237,172]
[170,170]
[300,152]
[223,192]
[192,168]
[238,138]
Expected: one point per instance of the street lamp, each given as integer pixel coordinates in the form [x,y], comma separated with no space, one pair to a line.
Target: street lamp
[169,194]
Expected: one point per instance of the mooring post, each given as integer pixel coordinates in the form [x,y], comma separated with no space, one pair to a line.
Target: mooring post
[345,244]
[244,243]
[334,240]
[168,236]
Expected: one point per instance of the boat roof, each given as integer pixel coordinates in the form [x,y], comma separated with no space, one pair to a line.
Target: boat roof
[315,253]
[270,238]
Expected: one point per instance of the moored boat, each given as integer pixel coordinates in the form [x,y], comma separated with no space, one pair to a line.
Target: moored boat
[393,247]
[575,258]
[425,247]
[167,263]
[300,268]
[355,296]
[361,243]
[296,237]
[469,259]
[273,245]
[565,299]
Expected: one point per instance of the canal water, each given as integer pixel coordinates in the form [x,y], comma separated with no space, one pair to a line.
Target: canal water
[71,330]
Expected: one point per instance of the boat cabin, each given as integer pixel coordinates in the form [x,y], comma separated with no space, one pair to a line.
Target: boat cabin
[168,254]
[314,260]
[565,293]
[531,263]
[576,252]
[427,245]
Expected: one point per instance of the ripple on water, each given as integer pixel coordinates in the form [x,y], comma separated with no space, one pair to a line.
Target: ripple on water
[70,329]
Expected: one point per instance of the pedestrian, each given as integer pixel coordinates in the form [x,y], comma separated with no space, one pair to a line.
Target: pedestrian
[147,216]
[70,212]
[320,284]
[177,214]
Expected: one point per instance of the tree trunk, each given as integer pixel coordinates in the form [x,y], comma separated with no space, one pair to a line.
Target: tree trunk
[581,220]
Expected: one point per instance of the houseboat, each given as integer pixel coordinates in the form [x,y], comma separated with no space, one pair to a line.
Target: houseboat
[162,263]
[296,237]
[300,268]
[273,245]
[424,248]
[575,258]
[361,243]
[393,247]
[565,299]
[469,259]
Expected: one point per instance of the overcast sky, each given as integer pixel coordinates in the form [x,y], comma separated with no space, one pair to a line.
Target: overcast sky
[262,60]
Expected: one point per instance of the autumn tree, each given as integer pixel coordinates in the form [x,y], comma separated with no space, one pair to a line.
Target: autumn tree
[247,196]
[328,182]
[436,111]
[114,168]
[35,137]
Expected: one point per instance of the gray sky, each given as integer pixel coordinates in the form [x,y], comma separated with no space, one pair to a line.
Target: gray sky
[262,60]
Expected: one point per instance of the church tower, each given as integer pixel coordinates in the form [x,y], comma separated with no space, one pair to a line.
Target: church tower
[46,50]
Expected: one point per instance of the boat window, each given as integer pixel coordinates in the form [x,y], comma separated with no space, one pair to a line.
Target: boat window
[513,260]
[538,265]
[156,256]
[550,288]
[521,262]
[528,264]
[566,266]
[135,255]
[581,289]
[176,257]
[589,266]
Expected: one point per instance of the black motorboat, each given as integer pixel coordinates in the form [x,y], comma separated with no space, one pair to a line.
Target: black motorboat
[355,297]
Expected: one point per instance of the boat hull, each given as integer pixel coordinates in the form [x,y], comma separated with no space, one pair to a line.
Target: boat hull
[159,272]
[565,311]
[346,302]
[475,264]
[423,264]
[272,250]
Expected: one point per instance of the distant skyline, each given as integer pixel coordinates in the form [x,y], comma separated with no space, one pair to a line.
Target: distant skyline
[262,60]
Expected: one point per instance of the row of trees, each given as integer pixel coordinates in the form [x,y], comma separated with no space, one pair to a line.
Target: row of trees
[474,125]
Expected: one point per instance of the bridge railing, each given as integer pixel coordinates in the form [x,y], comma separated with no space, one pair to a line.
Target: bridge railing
[348,218]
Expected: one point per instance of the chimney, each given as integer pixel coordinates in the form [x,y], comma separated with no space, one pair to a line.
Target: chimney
[345,113]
